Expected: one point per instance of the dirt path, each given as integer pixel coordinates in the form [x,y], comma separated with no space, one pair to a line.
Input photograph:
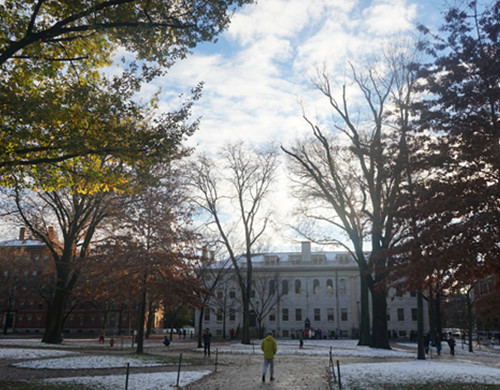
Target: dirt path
[244,372]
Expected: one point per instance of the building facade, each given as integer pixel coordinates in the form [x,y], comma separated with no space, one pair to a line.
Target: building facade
[27,281]
[293,292]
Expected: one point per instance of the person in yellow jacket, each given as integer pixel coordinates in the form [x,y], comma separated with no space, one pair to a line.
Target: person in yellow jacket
[269,347]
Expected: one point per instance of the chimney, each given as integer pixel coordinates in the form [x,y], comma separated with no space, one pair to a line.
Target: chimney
[51,233]
[22,234]
[306,251]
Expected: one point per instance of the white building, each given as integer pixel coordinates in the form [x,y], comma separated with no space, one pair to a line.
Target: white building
[294,290]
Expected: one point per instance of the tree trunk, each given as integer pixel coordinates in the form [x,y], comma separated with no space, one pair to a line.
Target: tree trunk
[379,314]
[420,326]
[245,330]
[55,316]
[469,319]
[364,331]
[140,323]
[200,327]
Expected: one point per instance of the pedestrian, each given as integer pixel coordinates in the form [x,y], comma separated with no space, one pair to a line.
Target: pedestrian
[207,338]
[437,341]
[166,341]
[232,333]
[184,334]
[269,347]
[111,342]
[451,343]
[301,339]
[427,341]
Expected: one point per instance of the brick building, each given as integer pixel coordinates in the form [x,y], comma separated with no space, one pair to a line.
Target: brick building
[27,275]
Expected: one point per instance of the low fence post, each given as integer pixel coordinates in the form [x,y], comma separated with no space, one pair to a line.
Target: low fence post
[332,365]
[126,376]
[216,358]
[179,370]
[338,370]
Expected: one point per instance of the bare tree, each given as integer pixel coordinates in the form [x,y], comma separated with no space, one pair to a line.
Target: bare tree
[238,183]
[352,176]
[267,297]
[76,217]
[211,275]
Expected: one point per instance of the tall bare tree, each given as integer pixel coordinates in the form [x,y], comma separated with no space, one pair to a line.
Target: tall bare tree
[352,176]
[239,182]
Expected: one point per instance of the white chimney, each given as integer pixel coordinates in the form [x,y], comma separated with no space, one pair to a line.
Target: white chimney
[306,251]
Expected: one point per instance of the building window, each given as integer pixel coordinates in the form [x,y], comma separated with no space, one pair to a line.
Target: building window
[272,315]
[40,305]
[219,294]
[219,314]
[401,314]
[232,315]
[81,320]
[317,315]
[298,287]
[399,291]
[272,287]
[329,287]
[413,294]
[284,287]
[343,288]
[207,315]
[414,314]
[298,314]
[30,305]
[21,304]
[343,314]
[252,293]
[284,314]
[218,332]
[316,287]
[329,314]
[232,294]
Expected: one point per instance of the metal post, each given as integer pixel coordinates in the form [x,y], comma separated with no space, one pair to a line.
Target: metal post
[179,370]
[338,370]
[126,377]
[216,358]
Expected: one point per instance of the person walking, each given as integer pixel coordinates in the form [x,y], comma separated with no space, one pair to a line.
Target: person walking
[451,343]
[437,342]
[207,338]
[269,347]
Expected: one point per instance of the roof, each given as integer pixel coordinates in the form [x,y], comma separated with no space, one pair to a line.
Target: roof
[21,243]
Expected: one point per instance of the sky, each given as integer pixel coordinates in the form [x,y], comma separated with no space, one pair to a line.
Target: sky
[258,76]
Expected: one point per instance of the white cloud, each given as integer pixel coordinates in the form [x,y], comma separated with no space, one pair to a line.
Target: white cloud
[389,16]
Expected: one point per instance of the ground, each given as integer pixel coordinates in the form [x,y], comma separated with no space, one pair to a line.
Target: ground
[233,365]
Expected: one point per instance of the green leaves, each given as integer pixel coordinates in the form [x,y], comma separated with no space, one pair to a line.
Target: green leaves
[62,122]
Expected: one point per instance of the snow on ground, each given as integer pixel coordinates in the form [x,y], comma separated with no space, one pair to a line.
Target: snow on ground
[16,353]
[150,381]
[85,362]
[320,348]
[375,375]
